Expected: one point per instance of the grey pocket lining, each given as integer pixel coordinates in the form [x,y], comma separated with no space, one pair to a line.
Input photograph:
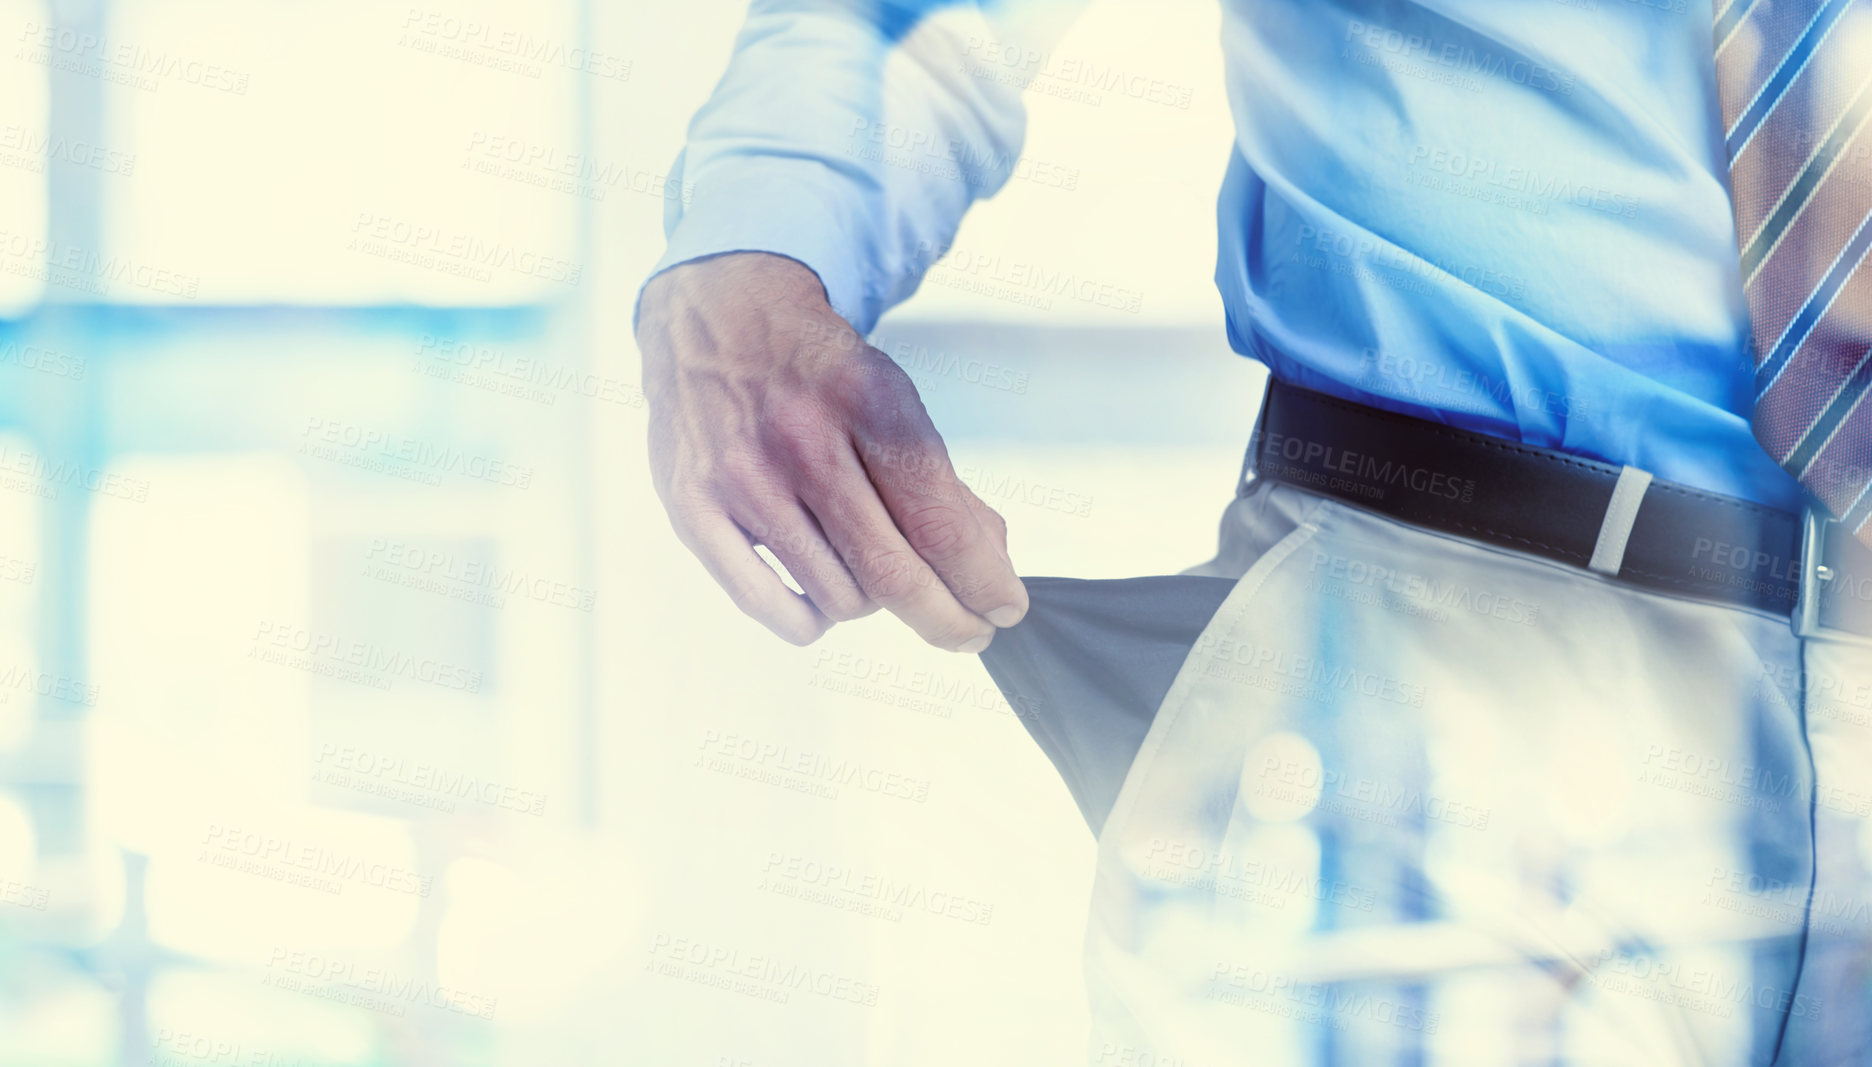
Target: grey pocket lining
[1089,666]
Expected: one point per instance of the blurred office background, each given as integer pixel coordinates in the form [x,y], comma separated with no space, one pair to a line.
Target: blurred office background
[357,705]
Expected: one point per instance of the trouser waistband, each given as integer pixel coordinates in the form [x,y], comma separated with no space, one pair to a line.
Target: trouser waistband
[1618,521]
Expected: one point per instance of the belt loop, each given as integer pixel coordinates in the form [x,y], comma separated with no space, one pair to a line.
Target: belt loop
[1254,439]
[1621,513]
[1813,571]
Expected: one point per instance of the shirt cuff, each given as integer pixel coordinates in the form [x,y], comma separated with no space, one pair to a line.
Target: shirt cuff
[788,207]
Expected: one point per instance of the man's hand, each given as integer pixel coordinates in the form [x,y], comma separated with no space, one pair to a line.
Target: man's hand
[773,423]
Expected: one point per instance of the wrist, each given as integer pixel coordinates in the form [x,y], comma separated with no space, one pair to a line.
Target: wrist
[744,281]
[740,299]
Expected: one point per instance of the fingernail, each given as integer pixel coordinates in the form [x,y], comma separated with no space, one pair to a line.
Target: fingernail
[976,645]
[1005,616]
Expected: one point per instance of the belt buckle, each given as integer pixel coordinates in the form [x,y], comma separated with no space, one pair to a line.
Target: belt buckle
[1816,526]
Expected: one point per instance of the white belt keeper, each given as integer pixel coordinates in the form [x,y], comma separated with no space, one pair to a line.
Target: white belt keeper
[1621,513]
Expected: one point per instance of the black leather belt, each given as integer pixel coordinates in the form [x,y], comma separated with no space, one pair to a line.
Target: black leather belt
[1616,520]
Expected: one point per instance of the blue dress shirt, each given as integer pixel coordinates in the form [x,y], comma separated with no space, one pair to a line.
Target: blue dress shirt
[1506,215]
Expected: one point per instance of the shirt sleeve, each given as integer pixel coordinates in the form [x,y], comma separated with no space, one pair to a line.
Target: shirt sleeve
[852,135]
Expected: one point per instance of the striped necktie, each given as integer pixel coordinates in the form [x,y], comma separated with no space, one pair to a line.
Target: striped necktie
[1795,80]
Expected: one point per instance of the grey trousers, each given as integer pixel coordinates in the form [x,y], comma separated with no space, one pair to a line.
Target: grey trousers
[1369,794]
